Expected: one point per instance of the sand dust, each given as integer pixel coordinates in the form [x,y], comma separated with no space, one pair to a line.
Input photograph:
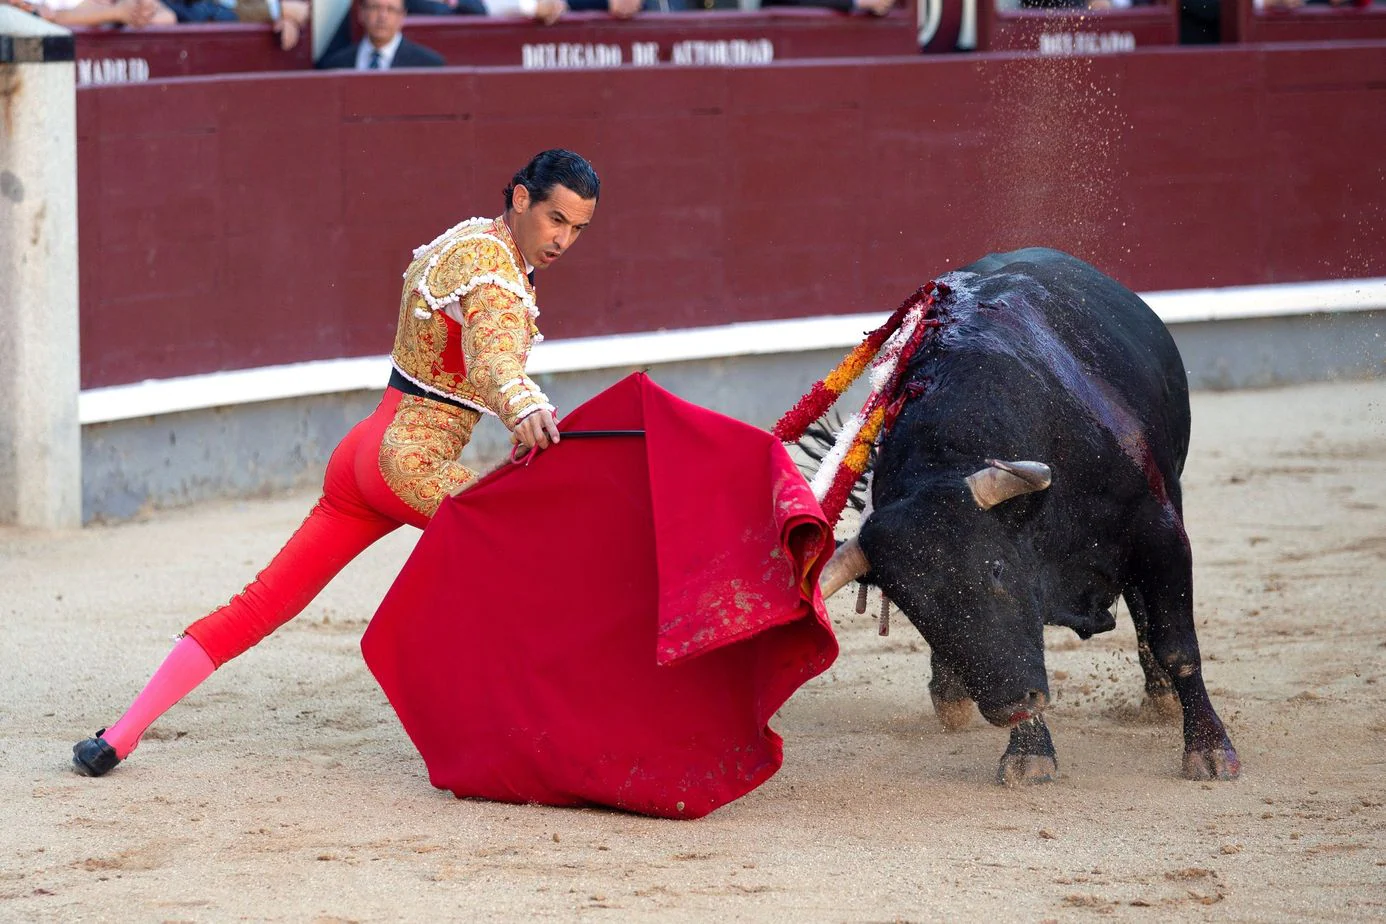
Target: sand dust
[285,790]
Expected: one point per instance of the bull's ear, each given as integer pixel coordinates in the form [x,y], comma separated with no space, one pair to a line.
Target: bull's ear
[1000,481]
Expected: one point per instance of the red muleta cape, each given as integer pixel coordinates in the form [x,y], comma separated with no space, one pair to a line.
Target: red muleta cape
[615,622]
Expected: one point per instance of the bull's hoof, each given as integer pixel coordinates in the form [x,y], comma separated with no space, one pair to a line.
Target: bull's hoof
[1160,709]
[955,714]
[1027,770]
[1218,763]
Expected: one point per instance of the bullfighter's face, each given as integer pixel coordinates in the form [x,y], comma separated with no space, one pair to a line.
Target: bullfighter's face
[544,230]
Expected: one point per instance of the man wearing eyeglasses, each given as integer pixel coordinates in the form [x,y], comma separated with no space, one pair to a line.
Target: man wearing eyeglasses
[384,46]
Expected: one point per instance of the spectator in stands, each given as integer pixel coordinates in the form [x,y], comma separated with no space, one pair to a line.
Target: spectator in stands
[289,17]
[874,7]
[132,14]
[384,47]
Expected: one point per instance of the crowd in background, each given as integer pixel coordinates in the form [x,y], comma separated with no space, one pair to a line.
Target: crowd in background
[290,17]
[381,21]
[383,45]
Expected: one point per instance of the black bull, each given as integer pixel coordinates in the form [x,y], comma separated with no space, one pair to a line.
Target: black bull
[1032,480]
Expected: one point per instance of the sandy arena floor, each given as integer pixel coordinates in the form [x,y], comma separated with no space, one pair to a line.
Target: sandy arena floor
[285,790]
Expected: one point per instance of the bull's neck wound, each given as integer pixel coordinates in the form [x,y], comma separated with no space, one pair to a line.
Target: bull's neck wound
[1033,342]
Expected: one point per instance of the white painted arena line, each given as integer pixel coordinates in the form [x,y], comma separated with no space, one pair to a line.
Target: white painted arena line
[370,373]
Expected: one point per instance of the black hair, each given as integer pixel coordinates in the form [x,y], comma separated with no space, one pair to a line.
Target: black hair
[555,167]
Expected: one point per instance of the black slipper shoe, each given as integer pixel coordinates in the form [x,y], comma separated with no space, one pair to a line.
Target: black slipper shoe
[93,756]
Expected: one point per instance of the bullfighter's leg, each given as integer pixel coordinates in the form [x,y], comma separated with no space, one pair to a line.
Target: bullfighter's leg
[355,510]
[1164,582]
[1030,756]
[320,548]
[1160,703]
[952,704]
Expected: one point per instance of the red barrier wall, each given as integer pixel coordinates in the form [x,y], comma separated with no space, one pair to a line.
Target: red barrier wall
[1067,31]
[665,38]
[1242,22]
[106,56]
[246,221]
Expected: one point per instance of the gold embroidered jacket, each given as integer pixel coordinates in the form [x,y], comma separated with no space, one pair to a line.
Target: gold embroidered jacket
[467,321]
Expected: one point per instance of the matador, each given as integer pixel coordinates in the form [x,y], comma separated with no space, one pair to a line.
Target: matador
[467,320]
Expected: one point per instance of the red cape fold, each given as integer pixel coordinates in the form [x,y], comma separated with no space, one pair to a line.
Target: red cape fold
[616,622]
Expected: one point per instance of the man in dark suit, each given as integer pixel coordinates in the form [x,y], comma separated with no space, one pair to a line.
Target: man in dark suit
[384,46]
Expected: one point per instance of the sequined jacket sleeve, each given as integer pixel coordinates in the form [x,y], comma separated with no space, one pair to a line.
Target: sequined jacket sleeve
[497,324]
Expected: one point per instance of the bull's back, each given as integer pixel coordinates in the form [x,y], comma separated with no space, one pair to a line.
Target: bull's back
[1114,338]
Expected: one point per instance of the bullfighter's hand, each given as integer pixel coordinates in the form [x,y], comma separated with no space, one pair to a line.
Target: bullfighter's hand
[623,9]
[538,430]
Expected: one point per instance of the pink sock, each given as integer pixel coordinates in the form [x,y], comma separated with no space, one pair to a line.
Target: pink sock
[186,666]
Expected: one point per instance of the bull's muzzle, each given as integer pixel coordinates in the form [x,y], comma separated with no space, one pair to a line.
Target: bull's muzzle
[1008,715]
[847,564]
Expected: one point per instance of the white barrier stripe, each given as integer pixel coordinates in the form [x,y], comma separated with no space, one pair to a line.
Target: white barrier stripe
[241,386]
[752,338]
[1228,304]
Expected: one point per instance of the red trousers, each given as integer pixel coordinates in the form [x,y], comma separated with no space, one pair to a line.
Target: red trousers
[357,508]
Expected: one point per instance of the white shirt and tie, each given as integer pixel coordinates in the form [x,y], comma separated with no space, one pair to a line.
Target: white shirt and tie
[370,58]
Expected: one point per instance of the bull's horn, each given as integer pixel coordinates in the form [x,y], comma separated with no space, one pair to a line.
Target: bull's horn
[847,564]
[1000,481]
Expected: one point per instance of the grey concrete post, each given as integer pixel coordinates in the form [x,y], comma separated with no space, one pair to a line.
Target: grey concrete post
[40,437]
